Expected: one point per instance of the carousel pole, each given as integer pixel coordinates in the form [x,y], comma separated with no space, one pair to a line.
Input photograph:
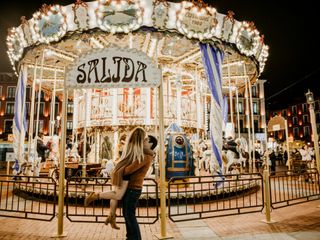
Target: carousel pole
[252,126]
[53,103]
[238,114]
[179,100]
[205,115]
[62,160]
[39,93]
[32,104]
[198,104]
[75,117]
[230,96]
[115,122]
[157,161]
[247,112]
[84,150]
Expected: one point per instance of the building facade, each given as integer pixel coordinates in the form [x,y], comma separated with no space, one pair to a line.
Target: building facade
[298,117]
[249,118]
[8,84]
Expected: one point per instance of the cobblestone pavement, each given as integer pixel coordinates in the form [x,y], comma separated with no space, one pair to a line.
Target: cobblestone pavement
[300,221]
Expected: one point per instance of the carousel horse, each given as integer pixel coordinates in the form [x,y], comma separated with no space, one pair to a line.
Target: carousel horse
[74,154]
[198,149]
[234,154]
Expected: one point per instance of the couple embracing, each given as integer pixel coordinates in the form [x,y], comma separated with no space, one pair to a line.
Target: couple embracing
[127,180]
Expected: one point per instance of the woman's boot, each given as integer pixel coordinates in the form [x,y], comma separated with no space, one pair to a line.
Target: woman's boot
[112,220]
[90,198]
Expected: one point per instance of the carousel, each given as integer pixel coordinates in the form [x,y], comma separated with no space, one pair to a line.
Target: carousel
[174,36]
[105,60]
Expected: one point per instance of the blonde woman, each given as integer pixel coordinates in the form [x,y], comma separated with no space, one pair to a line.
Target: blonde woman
[133,152]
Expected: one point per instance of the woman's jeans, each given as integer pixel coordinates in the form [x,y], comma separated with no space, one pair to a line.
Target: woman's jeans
[129,205]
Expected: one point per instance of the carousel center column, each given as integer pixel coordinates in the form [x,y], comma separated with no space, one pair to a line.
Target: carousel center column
[88,95]
[178,84]
[115,121]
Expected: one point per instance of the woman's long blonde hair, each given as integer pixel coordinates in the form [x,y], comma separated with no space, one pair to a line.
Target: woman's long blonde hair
[133,151]
[133,148]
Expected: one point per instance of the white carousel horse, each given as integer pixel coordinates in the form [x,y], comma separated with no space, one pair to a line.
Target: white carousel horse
[234,158]
[206,159]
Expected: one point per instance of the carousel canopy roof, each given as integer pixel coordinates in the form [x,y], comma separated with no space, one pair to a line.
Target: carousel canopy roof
[167,32]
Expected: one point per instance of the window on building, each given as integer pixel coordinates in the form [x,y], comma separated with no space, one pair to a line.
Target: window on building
[318,117]
[254,91]
[11,92]
[304,107]
[294,109]
[240,107]
[8,125]
[28,108]
[241,125]
[284,113]
[41,109]
[40,128]
[69,125]
[305,118]
[41,95]
[295,121]
[28,95]
[316,105]
[56,110]
[306,131]
[296,132]
[70,108]
[10,108]
[255,108]
[256,126]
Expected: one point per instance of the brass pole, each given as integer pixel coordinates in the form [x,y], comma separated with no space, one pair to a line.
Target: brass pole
[162,165]
[287,143]
[315,135]
[163,233]
[62,161]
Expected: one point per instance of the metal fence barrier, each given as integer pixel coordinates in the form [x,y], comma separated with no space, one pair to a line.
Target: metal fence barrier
[27,197]
[292,187]
[208,196]
[78,188]
[187,198]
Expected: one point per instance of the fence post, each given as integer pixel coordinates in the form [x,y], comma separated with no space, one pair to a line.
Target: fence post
[266,191]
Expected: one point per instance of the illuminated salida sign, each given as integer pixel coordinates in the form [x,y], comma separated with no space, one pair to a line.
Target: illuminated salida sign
[113,68]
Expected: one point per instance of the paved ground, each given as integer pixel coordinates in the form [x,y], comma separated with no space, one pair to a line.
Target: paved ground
[300,221]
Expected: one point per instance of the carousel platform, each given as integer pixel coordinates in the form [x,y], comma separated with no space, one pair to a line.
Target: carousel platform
[195,189]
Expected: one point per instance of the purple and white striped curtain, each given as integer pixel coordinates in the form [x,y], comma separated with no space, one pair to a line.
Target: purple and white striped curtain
[19,126]
[212,59]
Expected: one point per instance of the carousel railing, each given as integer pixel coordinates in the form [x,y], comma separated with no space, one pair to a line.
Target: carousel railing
[27,197]
[78,188]
[202,197]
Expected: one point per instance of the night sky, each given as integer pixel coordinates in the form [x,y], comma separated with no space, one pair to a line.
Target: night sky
[290,29]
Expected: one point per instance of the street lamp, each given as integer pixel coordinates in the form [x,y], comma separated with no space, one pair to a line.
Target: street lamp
[310,101]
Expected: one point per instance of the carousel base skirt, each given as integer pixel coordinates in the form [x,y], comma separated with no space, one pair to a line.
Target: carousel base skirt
[182,190]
